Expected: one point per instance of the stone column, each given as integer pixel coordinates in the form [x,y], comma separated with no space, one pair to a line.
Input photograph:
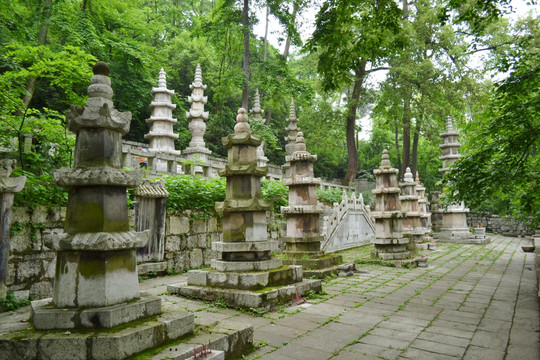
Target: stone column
[257,112]
[8,187]
[96,263]
[425,216]
[454,219]
[161,135]
[389,241]
[197,151]
[409,205]
[303,240]
[292,130]
[436,211]
[150,214]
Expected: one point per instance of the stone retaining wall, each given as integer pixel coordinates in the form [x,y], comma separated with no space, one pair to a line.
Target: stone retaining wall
[32,264]
[498,225]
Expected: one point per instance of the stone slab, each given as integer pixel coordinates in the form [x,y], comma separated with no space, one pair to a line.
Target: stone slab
[262,299]
[46,316]
[146,268]
[113,344]
[262,265]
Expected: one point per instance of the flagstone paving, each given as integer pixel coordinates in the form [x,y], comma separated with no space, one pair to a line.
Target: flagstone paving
[472,302]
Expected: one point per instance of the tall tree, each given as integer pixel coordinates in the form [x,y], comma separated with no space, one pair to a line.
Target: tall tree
[351,39]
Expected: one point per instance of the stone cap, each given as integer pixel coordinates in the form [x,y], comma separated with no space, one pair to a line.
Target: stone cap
[243,205]
[243,169]
[7,184]
[98,241]
[299,180]
[152,189]
[104,175]
[302,209]
[197,82]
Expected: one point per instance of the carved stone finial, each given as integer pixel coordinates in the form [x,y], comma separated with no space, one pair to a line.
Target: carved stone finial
[385,161]
[101,68]
[292,111]
[198,74]
[417,178]
[449,125]
[300,142]
[162,80]
[408,177]
[257,110]
[242,124]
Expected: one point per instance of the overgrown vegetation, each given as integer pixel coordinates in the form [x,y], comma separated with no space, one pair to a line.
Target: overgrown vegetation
[10,302]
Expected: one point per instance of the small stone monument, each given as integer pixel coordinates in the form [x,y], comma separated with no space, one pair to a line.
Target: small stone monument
[425,216]
[257,116]
[161,135]
[409,205]
[436,211]
[197,151]
[389,241]
[290,146]
[245,274]
[96,284]
[8,187]
[303,240]
[454,220]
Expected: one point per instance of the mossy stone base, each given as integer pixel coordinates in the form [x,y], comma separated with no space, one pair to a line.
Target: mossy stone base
[264,299]
[112,344]
[323,262]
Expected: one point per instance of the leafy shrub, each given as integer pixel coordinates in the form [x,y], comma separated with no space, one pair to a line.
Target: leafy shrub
[39,190]
[276,191]
[329,196]
[10,303]
[195,194]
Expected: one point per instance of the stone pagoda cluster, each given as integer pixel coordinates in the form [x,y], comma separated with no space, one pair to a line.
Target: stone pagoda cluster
[257,113]
[454,218]
[390,244]
[303,238]
[197,117]
[292,130]
[245,274]
[409,205]
[161,135]
[96,284]
[8,187]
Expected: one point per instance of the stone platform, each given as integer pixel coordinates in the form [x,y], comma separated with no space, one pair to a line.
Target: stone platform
[95,344]
[469,239]
[318,268]
[263,299]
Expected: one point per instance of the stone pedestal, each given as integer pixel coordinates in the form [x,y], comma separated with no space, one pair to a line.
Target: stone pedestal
[425,216]
[410,223]
[245,274]
[303,240]
[390,244]
[8,187]
[197,152]
[436,211]
[161,135]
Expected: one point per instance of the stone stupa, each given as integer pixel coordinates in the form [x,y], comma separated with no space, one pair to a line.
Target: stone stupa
[245,274]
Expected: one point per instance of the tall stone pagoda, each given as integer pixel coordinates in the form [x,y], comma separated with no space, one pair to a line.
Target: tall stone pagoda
[257,113]
[245,274]
[197,150]
[389,241]
[410,224]
[454,219]
[303,240]
[96,284]
[161,135]
[425,216]
[290,145]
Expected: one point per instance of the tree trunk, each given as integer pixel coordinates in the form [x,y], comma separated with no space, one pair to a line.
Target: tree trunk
[352,163]
[406,132]
[245,25]
[416,136]
[266,36]
[396,142]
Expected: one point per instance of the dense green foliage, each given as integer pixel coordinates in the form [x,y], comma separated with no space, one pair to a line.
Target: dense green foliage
[47,49]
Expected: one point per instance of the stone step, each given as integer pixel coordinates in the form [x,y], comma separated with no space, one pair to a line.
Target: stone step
[105,344]
[232,337]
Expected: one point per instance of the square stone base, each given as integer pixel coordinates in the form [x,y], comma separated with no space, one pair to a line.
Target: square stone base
[264,299]
[46,316]
[318,268]
[112,344]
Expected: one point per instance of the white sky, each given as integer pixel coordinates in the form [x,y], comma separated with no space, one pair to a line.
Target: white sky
[307,25]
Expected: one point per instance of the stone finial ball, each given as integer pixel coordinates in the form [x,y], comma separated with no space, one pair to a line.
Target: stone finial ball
[242,119]
[101,68]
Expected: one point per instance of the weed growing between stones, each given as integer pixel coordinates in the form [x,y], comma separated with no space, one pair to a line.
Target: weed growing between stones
[11,303]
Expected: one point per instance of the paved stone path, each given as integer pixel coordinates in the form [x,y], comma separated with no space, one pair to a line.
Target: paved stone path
[472,302]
